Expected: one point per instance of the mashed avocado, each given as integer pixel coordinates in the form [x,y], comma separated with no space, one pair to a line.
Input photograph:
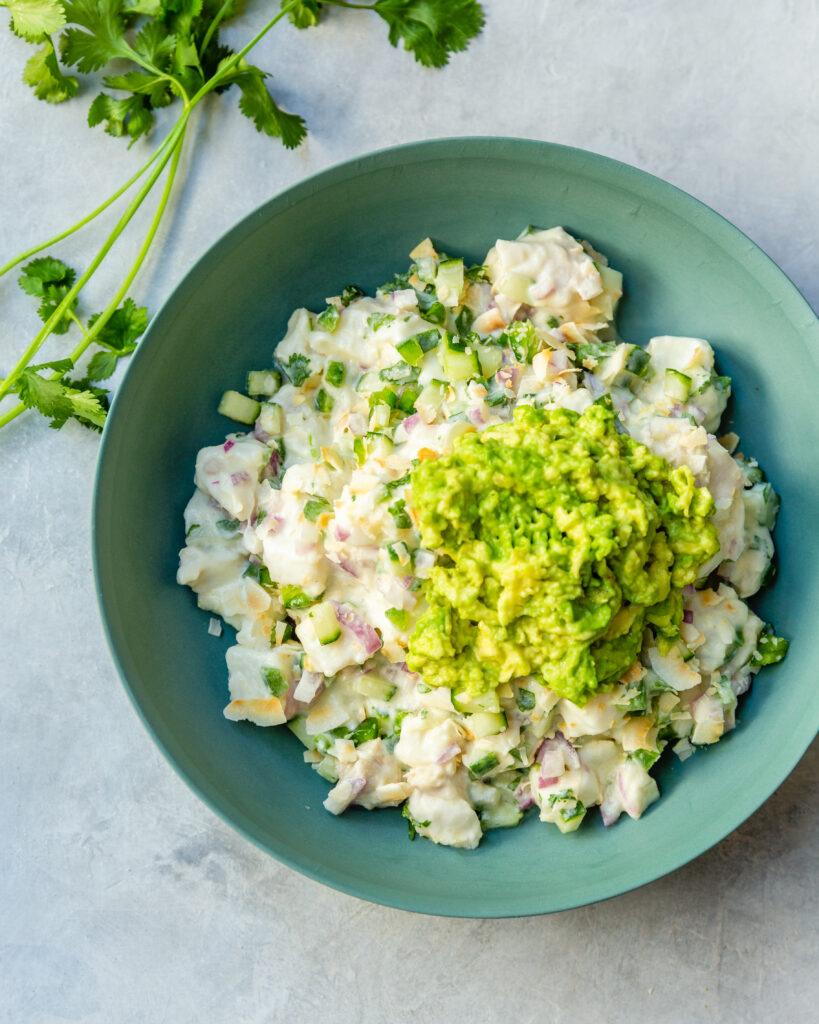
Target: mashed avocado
[559,540]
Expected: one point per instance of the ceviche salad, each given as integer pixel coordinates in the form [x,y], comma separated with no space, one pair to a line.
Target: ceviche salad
[480,554]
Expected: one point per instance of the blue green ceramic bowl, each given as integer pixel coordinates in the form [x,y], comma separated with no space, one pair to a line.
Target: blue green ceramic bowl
[687,271]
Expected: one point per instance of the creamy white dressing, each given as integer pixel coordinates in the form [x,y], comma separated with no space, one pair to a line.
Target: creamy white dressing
[304,542]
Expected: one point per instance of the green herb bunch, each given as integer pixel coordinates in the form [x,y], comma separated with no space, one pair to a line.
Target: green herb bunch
[165,52]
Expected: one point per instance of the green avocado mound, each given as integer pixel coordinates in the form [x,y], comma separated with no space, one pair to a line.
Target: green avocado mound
[558,541]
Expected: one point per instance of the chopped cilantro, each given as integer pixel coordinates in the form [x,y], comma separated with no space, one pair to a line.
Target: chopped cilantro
[315,507]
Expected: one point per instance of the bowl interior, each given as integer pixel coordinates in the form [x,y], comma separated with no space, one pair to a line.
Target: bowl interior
[687,272]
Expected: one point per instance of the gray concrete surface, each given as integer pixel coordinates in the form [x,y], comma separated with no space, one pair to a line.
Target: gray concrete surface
[123,898]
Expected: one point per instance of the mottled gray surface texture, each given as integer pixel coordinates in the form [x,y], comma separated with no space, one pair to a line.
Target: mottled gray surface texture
[123,898]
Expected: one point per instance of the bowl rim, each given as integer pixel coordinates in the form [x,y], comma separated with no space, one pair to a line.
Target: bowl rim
[695,211]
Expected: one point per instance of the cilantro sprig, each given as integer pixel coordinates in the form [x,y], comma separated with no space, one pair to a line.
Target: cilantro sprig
[146,55]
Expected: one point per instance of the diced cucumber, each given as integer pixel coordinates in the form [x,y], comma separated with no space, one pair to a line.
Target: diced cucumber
[449,281]
[324,401]
[484,765]
[502,814]
[378,445]
[612,281]
[398,617]
[359,450]
[677,385]
[431,396]
[263,383]
[459,361]
[435,313]
[295,597]
[325,623]
[638,361]
[271,419]
[487,723]
[426,267]
[410,351]
[490,357]
[572,825]
[239,407]
[366,730]
[400,373]
[327,769]
[298,727]
[328,320]
[385,396]
[406,403]
[470,704]
[515,286]
[369,381]
[380,416]
[334,374]
[374,686]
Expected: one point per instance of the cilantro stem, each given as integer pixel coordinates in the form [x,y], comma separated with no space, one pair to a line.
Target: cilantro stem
[87,219]
[89,334]
[215,24]
[175,134]
[228,66]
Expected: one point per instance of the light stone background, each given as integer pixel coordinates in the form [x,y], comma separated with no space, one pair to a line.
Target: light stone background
[122,897]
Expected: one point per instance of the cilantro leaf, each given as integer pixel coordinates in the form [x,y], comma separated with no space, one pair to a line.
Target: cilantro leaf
[257,104]
[49,280]
[41,274]
[155,87]
[44,75]
[102,365]
[61,400]
[35,19]
[124,326]
[130,116]
[297,369]
[104,40]
[46,396]
[431,29]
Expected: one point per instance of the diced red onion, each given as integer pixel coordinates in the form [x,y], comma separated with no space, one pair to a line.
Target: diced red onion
[689,590]
[344,793]
[524,797]
[348,567]
[341,533]
[544,783]
[477,416]
[259,434]
[228,445]
[242,477]
[554,754]
[308,688]
[411,422]
[274,465]
[508,375]
[363,630]
[688,616]
[448,753]
[610,809]
[559,360]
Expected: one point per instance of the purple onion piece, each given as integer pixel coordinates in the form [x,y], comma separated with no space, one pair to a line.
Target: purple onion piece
[363,630]
[688,616]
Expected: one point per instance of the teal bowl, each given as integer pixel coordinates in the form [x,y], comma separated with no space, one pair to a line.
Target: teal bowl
[687,271]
